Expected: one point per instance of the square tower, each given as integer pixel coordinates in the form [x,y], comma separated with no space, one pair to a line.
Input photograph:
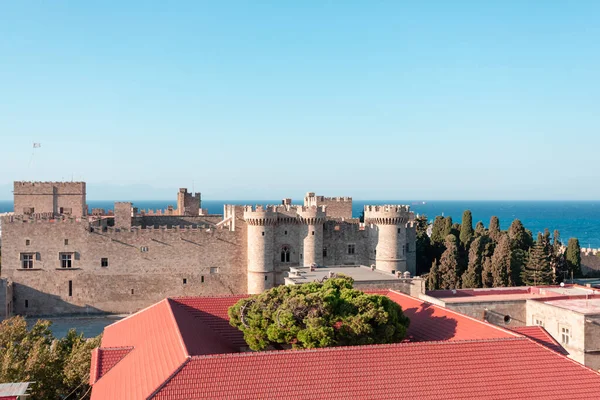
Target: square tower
[57,198]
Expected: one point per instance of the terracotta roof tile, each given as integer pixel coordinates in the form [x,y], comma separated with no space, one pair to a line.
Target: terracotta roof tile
[514,368]
[541,335]
[429,322]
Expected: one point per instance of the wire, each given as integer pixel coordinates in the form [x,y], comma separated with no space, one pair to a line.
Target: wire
[83,397]
[74,390]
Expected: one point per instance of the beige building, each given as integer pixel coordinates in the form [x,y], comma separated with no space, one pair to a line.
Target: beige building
[58,258]
[569,313]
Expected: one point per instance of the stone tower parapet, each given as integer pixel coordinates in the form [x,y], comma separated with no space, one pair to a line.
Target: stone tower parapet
[59,198]
[388,233]
[261,223]
[188,204]
[311,219]
[337,207]
[123,215]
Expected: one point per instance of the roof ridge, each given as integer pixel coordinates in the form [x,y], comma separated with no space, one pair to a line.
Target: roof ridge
[176,324]
[173,375]
[134,314]
[117,348]
[359,347]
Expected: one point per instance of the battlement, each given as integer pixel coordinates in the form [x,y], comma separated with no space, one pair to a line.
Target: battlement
[50,188]
[312,215]
[387,214]
[49,218]
[169,211]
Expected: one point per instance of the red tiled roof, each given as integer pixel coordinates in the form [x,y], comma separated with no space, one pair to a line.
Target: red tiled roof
[429,322]
[184,348]
[158,351]
[541,335]
[104,359]
[514,368]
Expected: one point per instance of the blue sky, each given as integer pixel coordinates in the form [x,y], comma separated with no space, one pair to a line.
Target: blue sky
[248,100]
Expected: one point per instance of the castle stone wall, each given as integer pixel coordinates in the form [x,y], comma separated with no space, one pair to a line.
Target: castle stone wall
[337,207]
[50,197]
[144,266]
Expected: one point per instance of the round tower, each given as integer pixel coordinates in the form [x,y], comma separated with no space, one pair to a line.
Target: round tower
[311,221]
[261,233]
[388,236]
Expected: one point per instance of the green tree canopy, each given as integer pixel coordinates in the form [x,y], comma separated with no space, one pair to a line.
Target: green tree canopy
[56,366]
[501,272]
[479,229]
[318,315]
[449,265]
[433,278]
[466,229]
[573,257]
[472,276]
[437,231]
[538,270]
[494,229]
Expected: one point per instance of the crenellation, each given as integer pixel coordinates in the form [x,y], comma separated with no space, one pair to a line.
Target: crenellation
[248,249]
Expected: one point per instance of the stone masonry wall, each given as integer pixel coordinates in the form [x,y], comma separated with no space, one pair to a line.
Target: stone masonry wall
[50,197]
[144,266]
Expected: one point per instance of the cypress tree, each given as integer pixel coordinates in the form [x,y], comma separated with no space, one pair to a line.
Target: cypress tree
[437,231]
[433,279]
[449,265]
[479,229]
[466,229]
[447,227]
[487,278]
[557,257]
[501,270]
[573,257]
[517,235]
[494,230]
[472,277]
[538,270]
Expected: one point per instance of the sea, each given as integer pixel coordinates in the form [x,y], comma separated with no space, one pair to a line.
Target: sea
[580,219]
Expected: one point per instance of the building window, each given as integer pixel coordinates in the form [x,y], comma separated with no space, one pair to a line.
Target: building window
[285,233]
[266,278]
[144,249]
[66,260]
[263,234]
[538,322]
[184,281]
[399,230]
[104,262]
[70,288]
[214,270]
[351,249]
[27,242]
[66,242]
[27,260]
[26,303]
[131,291]
[565,334]
[324,252]
[202,279]
[285,254]
[313,233]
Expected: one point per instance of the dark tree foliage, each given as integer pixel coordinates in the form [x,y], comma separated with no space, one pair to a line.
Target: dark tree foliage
[480,229]
[437,231]
[538,270]
[449,278]
[501,271]
[573,257]
[494,229]
[448,225]
[425,253]
[487,278]
[466,229]
[519,239]
[318,315]
[433,278]
[472,276]
[421,224]
[58,367]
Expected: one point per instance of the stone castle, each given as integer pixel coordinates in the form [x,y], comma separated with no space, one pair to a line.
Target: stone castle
[58,258]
